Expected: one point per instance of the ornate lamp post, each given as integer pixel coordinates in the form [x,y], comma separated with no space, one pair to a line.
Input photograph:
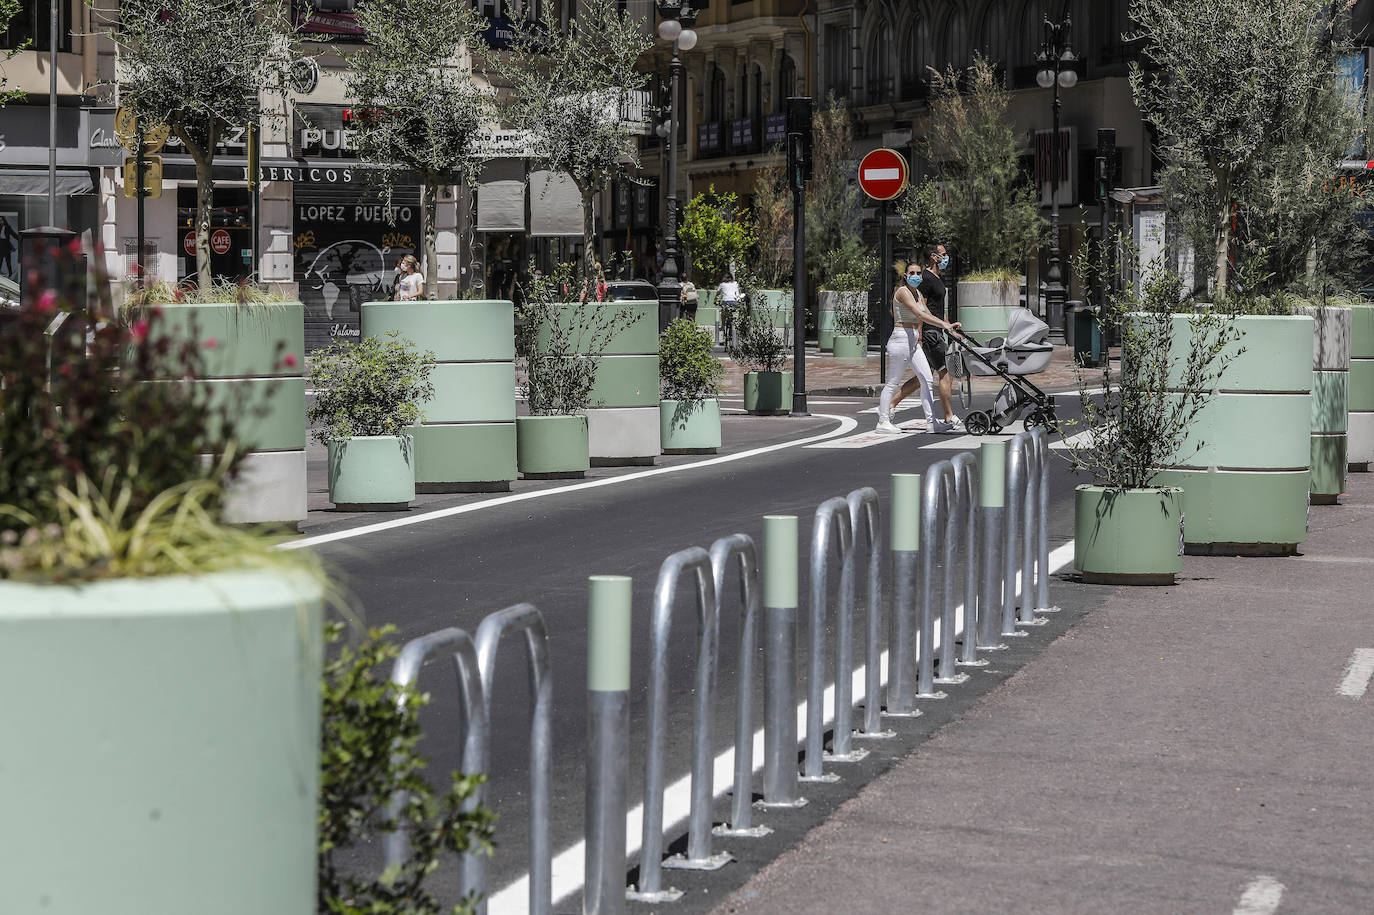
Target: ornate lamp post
[676,18]
[1056,60]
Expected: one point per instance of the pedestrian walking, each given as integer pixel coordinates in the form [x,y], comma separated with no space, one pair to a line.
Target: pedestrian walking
[412,284]
[904,351]
[728,295]
[689,299]
[933,339]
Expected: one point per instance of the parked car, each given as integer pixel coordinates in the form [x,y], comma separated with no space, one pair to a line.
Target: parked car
[632,291]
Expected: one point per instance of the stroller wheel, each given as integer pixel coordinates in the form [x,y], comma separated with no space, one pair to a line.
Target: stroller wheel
[979,423]
[1045,418]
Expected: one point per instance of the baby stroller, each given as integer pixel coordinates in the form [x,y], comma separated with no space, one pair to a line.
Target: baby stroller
[1024,351]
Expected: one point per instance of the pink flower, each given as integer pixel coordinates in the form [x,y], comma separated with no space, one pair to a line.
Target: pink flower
[47,301]
[157,311]
[140,330]
[74,246]
[289,360]
[210,343]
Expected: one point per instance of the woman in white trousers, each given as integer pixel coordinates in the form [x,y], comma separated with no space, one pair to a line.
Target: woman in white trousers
[904,351]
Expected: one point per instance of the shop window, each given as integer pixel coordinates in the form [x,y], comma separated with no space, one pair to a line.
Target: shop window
[30,24]
[231,234]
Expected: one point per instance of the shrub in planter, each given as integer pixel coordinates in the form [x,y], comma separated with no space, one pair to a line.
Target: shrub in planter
[851,329]
[850,273]
[763,355]
[689,414]
[367,393]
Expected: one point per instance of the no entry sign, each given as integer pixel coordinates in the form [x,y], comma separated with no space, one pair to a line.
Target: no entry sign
[883,174]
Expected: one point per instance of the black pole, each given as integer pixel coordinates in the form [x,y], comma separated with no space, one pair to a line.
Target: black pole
[52,115]
[140,172]
[885,285]
[255,201]
[799,407]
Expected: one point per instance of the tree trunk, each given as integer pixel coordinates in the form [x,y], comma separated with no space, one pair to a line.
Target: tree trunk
[588,244]
[205,197]
[431,206]
[1221,266]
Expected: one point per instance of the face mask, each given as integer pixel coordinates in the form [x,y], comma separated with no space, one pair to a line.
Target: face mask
[913,281]
[944,261]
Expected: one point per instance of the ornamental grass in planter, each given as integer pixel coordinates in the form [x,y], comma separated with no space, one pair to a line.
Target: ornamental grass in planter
[852,327]
[763,356]
[367,396]
[689,376]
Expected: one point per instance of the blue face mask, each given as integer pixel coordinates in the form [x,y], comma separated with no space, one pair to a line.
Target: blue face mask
[944,261]
[913,281]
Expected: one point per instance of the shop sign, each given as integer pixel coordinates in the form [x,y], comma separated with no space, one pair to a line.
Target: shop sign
[103,148]
[219,241]
[189,243]
[324,131]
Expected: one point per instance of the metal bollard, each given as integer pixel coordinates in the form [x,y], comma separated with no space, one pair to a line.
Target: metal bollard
[741,545]
[405,672]
[831,514]
[525,618]
[608,743]
[906,542]
[992,505]
[935,493]
[1011,551]
[1029,525]
[1041,441]
[966,478]
[864,506]
[780,568]
[954,525]
[698,857]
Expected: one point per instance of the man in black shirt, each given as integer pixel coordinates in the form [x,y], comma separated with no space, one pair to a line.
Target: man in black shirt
[933,339]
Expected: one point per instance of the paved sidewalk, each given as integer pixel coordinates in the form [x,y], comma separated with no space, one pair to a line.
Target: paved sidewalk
[1201,748]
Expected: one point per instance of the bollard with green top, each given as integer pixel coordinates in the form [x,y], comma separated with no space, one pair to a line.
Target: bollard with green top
[992,502]
[608,738]
[780,570]
[906,542]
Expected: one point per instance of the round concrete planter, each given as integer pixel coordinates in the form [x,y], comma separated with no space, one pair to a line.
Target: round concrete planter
[768,393]
[1330,400]
[1361,421]
[829,303]
[689,428]
[552,447]
[854,348]
[165,754]
[773,307]
[467,440]
[985,307]
[372,473]
[254,360]
[708,319]
[1130,537]
[1245,488]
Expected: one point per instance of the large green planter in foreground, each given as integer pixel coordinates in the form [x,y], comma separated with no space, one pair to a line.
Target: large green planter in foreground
[1361,421]
[689,428]
[467,440]
[254,361]
[1330,400]
[552,447]
[1245,489]
[768,393]
[372,473]
[985,307]
[161,745]
[847,347]
[1129,537]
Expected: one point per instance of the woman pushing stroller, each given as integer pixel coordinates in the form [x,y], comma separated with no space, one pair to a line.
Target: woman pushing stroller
[917,340]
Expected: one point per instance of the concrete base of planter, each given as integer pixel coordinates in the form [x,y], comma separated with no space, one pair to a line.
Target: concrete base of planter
[689,430]
[847,347]
[270,489]
[768,393]
[372,473]
[1328,469]
[1360,442]
[1240,513]
[551,447]
[1127,538]
[623,436]
[464,457]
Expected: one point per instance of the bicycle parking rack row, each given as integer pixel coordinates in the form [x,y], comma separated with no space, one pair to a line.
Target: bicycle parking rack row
[985,515]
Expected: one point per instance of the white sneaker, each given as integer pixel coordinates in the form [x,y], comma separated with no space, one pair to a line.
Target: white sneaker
[941,426]
[887,426]
[956,424]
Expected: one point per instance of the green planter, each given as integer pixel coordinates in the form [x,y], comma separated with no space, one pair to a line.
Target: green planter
[689,428]
[985,307]
[552,447]
[847,347]
[254,360]
[768,393]
[1330,400]
[372,473]
[828,303]
[165,754]
[1361,420]
[1245,488]
[467,440]
[1128,538]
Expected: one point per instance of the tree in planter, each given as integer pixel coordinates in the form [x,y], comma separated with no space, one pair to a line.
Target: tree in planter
[422,111]
[571,92]
[687,371]
[851,320]
[924,218]
[369,387]
[993,216]
[773,227]
[203,68]
[717,233]
[752,340]
[833,213]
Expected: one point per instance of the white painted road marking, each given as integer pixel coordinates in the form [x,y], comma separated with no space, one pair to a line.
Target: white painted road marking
[882,174]
[1261,897]
[1357,673]
[569,864]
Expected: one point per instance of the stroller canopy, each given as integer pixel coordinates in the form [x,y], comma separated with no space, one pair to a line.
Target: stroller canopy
[1025,329]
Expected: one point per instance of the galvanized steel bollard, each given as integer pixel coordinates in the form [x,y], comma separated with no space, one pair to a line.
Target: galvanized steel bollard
[780,568]
[832,514]
[1041,441]
[722,551]
[525,618]
[935,496]
[1011,553]
[864,507]
[608,742]
[966,486]
[992,504]
[404,673]
[955,517]
[906,541]
[1030,516]
[698,857]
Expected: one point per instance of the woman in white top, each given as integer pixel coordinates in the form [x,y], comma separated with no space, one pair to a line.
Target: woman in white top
[411,285]
[904,350]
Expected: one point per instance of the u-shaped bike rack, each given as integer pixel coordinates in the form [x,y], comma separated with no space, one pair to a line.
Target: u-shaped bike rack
[831,515]
[865,511]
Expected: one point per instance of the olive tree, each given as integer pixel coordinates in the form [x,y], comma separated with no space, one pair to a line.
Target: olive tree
[570,90]
[423,111]
[833,209]
[203,67]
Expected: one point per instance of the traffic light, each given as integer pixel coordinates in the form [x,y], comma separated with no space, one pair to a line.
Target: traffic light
[798,141]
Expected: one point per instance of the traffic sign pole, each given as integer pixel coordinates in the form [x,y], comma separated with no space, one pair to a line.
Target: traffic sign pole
[883,175]
[883,330]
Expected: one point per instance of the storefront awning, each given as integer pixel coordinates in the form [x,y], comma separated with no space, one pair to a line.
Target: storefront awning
[33,182]
[555,205]
[501,197]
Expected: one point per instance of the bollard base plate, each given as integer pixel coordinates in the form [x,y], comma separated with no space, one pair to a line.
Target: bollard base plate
[713,863]
[781,805]
[668,895]
[853,755]
[998,647]
[1038,621]
[1048,609]
[875,735]
[980,662]
[914,713]
[1015,635]
[753,832]
[938,694]
[826,778]
[950,681]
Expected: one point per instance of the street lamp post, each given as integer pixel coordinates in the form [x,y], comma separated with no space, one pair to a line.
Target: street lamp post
[1056,60]
[676,18]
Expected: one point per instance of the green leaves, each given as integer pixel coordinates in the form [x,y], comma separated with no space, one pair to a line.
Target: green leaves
[717,233]
[687,371]
[371,387]
[833,213]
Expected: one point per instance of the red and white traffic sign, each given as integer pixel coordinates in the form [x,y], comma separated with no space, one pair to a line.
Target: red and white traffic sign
[189,243]
[219,241]
[883,174]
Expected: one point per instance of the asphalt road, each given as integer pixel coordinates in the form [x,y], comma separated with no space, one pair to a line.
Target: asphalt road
[455,570]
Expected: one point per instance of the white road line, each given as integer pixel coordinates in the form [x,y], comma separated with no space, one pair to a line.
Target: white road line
[1261,897]
[569,864]
[1357,673]
[846,424]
